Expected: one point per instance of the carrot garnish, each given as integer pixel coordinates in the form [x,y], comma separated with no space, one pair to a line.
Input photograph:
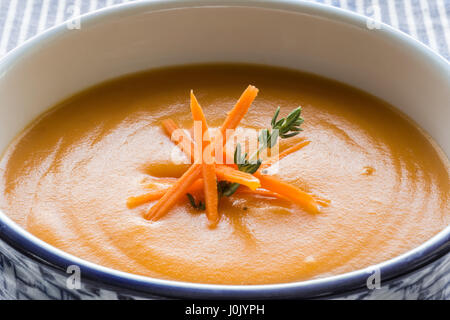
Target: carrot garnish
[232,175]
[288,191]
[197,186]
[259,192]
[270,162]
[158,191]
[177,191]
[245,176]
[236,115]
[134,202]
[211,194]
[208,165]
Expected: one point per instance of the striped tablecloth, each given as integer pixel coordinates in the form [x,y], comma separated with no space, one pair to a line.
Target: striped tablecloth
[426,20]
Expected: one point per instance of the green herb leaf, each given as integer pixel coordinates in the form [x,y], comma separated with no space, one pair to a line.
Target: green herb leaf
[284,128]
[290,126]
[200,206]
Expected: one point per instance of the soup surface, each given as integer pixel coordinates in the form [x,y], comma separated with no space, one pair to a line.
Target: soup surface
[67,177]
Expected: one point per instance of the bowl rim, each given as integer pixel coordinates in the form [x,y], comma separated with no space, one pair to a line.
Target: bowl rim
[29,245]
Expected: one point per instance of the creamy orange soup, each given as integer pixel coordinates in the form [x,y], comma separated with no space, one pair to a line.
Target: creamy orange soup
[67,177]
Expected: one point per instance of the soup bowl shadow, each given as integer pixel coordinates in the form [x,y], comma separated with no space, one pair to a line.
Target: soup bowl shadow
[148,34]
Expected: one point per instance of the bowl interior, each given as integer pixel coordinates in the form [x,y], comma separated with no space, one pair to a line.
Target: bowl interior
[304,37]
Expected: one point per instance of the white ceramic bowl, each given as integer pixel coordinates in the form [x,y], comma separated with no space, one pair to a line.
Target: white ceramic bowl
[300,35]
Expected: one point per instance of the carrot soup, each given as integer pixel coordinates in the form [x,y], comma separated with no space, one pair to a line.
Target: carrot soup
[337,180]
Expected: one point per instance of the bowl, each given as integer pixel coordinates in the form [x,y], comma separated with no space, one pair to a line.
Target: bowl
[147,34]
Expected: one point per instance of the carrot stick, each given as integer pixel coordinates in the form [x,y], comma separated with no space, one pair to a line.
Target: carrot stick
[236,115]
[211,194]
[232,175]
[159,191]
[208,166]
[266,193]
[270,162]
[197,113]
[289,191]
[134,202]
[178,190]
[183,141]
[197,186]
[260,192]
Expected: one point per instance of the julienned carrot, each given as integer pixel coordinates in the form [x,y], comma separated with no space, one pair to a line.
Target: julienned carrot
[259,192]
[160,185]
[154,195]
[158,191]
[236,115]
[198,115]
[232,175]
[270,162]
[178,190]
[182,185]
[134,202]
[211,194]
[266,193]
[182,139]
[288,191]
[208,165]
